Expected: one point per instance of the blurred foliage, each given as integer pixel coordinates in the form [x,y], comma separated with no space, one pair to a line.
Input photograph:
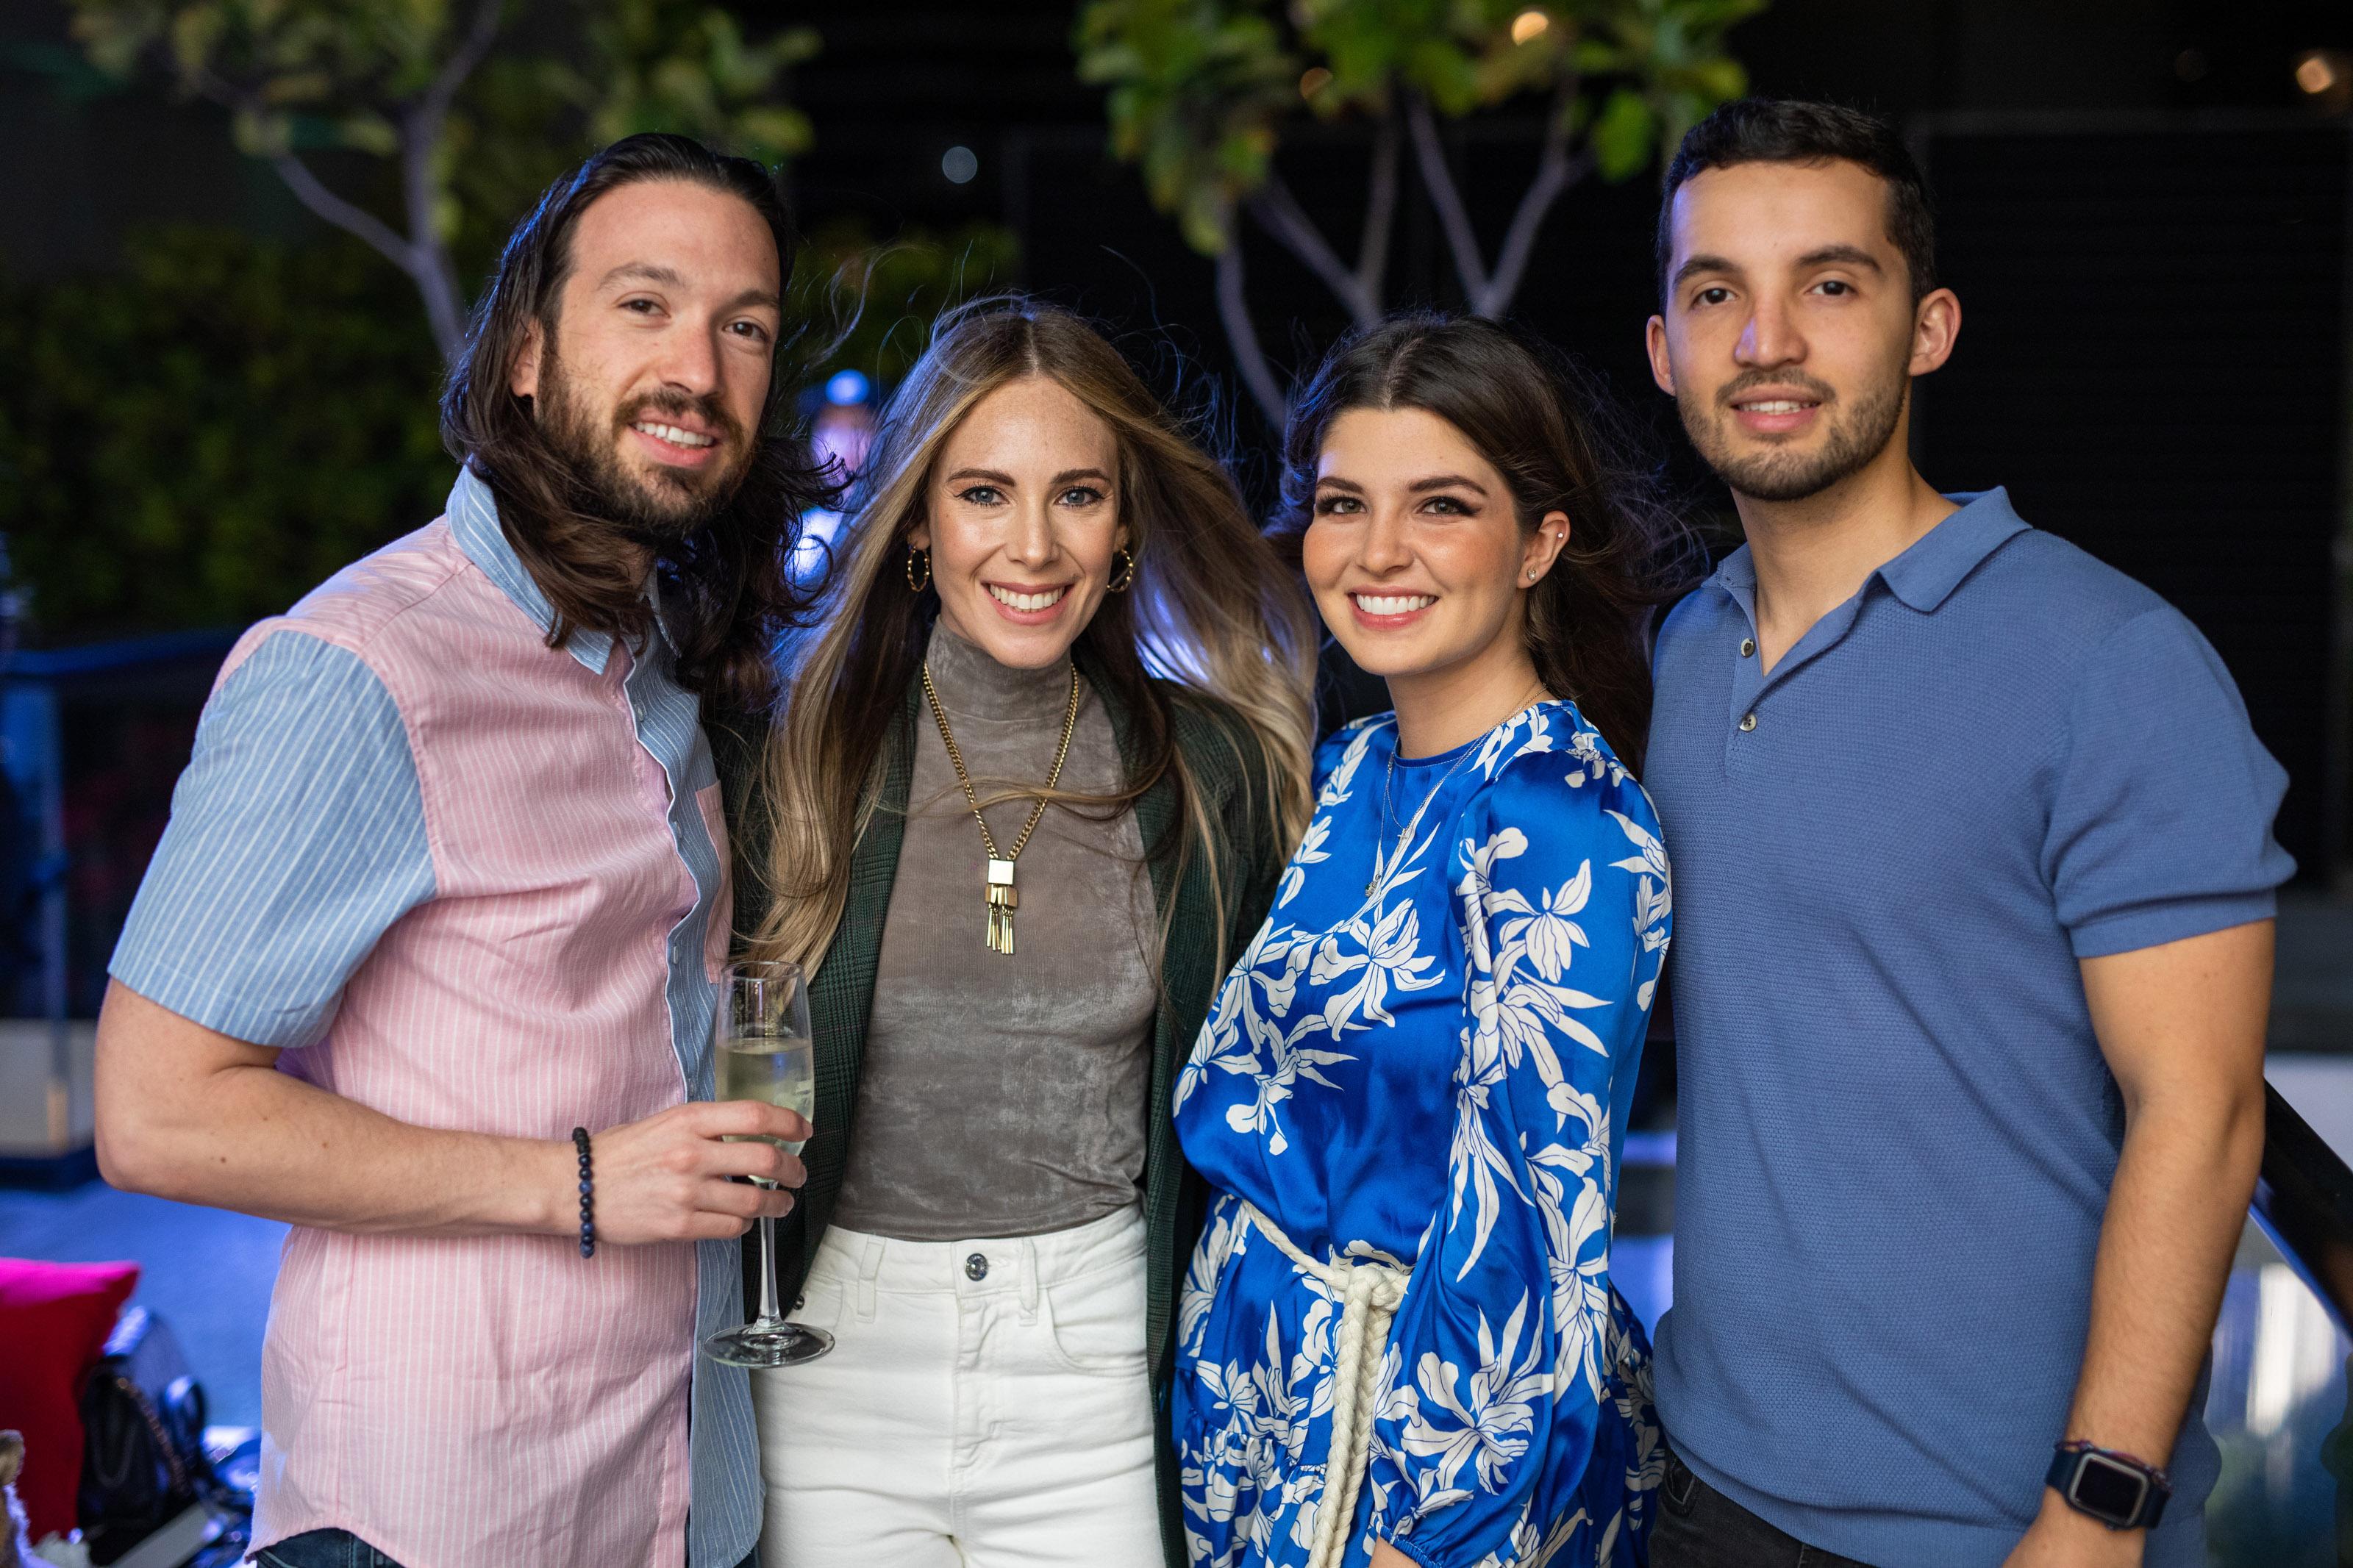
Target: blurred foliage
[1200,94]
[467,134]
[203,437]
[1200,91]
[635,64]
[869,306]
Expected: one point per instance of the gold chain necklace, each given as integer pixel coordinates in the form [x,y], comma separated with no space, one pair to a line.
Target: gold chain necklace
[1002,900]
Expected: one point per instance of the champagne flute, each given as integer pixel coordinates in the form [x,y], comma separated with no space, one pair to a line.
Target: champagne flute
[764,1050]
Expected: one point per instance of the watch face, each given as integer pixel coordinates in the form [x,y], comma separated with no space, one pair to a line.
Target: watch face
[2106,1487]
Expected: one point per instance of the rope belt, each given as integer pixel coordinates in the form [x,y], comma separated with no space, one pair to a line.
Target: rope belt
[1369,1293]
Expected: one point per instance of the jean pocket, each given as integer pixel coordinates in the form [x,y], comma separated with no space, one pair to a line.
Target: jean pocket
[819,1305]
[322,1549]
[1679,1490]
[1096,1324]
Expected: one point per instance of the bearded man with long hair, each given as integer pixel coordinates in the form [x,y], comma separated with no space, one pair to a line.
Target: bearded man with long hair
[425,962]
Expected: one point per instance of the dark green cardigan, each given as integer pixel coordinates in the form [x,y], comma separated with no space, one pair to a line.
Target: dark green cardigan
[1228,766]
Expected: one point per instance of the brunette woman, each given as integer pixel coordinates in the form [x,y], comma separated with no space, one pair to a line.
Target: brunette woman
[1399,1339]
[1029,794]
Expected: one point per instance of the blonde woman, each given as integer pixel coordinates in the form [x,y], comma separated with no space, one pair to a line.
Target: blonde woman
[1032,786]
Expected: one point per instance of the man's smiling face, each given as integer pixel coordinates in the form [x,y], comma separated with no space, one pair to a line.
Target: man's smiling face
[657,375]
[1789,333]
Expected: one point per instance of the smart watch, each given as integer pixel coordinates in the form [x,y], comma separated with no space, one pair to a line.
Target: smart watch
[2116,1488]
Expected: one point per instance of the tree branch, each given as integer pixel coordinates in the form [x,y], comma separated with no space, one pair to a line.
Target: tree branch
[1279,214]
[354,220]
[421,131]
[436,274]
[465,62]
[1380,213]
[1429,155]
[1233,309]
[1555,172]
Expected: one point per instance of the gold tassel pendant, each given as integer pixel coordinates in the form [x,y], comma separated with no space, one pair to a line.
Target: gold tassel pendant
[1002,901]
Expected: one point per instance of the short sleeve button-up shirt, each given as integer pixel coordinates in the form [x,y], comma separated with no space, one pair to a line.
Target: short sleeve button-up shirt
[1893,850]
[473,883]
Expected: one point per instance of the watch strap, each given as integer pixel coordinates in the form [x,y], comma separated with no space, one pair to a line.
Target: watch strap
[2071,1462]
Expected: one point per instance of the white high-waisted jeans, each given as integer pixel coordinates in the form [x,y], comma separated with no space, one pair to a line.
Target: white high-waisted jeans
[986,1405]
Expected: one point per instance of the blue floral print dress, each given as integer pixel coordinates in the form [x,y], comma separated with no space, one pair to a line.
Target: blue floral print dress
[1433,1074]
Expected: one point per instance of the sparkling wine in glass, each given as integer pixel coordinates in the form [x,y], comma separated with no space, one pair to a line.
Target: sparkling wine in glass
[765,1051]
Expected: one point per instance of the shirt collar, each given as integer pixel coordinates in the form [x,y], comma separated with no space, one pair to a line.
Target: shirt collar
[1925,575]
[474,520]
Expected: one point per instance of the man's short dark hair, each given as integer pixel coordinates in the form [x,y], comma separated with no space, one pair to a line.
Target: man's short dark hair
[1792,130]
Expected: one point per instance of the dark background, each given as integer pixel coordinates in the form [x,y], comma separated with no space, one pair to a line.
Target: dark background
[2149,226]
[2147,222]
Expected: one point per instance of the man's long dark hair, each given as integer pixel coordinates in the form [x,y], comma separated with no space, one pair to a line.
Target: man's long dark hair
[726,589]
[1561,446]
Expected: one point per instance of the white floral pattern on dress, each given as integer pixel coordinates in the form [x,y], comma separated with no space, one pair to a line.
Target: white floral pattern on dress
[1432,1073]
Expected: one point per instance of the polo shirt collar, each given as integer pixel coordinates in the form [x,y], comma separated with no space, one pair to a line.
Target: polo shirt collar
[1925,575]
[474,520]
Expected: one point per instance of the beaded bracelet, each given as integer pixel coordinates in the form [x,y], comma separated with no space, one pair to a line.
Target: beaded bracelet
[587,1194]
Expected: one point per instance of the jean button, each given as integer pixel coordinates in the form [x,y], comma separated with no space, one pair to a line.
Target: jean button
[976,1266]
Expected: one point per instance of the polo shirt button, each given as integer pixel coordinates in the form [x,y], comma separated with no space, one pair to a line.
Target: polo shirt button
[1747,646]
[976,1266]
[1747,722]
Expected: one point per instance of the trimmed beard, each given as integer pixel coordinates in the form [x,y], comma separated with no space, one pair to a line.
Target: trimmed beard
[656,510]
[1852,445]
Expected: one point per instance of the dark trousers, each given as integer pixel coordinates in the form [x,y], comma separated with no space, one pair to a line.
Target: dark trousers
[342,1549]
[1699,1527]
[322,1549]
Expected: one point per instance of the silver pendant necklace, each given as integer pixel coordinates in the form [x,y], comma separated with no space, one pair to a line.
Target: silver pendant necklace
[1388,778]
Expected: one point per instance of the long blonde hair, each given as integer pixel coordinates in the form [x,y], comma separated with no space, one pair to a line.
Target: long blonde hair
[1210,610]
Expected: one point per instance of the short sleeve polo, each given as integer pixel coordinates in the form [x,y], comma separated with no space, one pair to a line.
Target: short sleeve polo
[1897,1129]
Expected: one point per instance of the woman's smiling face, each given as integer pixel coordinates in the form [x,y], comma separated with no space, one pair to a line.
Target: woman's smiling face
[1022,521]
[1415,553]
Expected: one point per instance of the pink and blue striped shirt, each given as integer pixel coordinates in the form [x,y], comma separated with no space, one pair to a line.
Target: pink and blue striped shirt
[480,884]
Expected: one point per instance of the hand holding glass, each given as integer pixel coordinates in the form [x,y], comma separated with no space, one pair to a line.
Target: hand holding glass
[764,1050]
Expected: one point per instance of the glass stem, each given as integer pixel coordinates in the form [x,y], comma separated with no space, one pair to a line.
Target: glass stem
[769,1316]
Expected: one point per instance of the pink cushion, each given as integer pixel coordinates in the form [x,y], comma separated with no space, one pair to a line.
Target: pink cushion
[54,1321]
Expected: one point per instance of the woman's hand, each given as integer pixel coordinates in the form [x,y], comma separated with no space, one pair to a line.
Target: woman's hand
[1388,1556]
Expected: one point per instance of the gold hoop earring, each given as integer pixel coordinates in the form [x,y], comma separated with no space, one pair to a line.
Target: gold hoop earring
[923,558]
[1124,578]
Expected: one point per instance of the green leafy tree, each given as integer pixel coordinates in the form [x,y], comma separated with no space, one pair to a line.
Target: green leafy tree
[201,437]
[1202,92]
[404,82]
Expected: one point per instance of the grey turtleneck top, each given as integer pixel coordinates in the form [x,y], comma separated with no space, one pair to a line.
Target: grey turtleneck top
[1005,1096]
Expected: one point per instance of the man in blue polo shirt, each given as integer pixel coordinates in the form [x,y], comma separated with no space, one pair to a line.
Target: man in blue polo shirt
[1974,882]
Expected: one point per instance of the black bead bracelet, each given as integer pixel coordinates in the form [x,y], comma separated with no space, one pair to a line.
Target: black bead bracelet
[587,1194]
